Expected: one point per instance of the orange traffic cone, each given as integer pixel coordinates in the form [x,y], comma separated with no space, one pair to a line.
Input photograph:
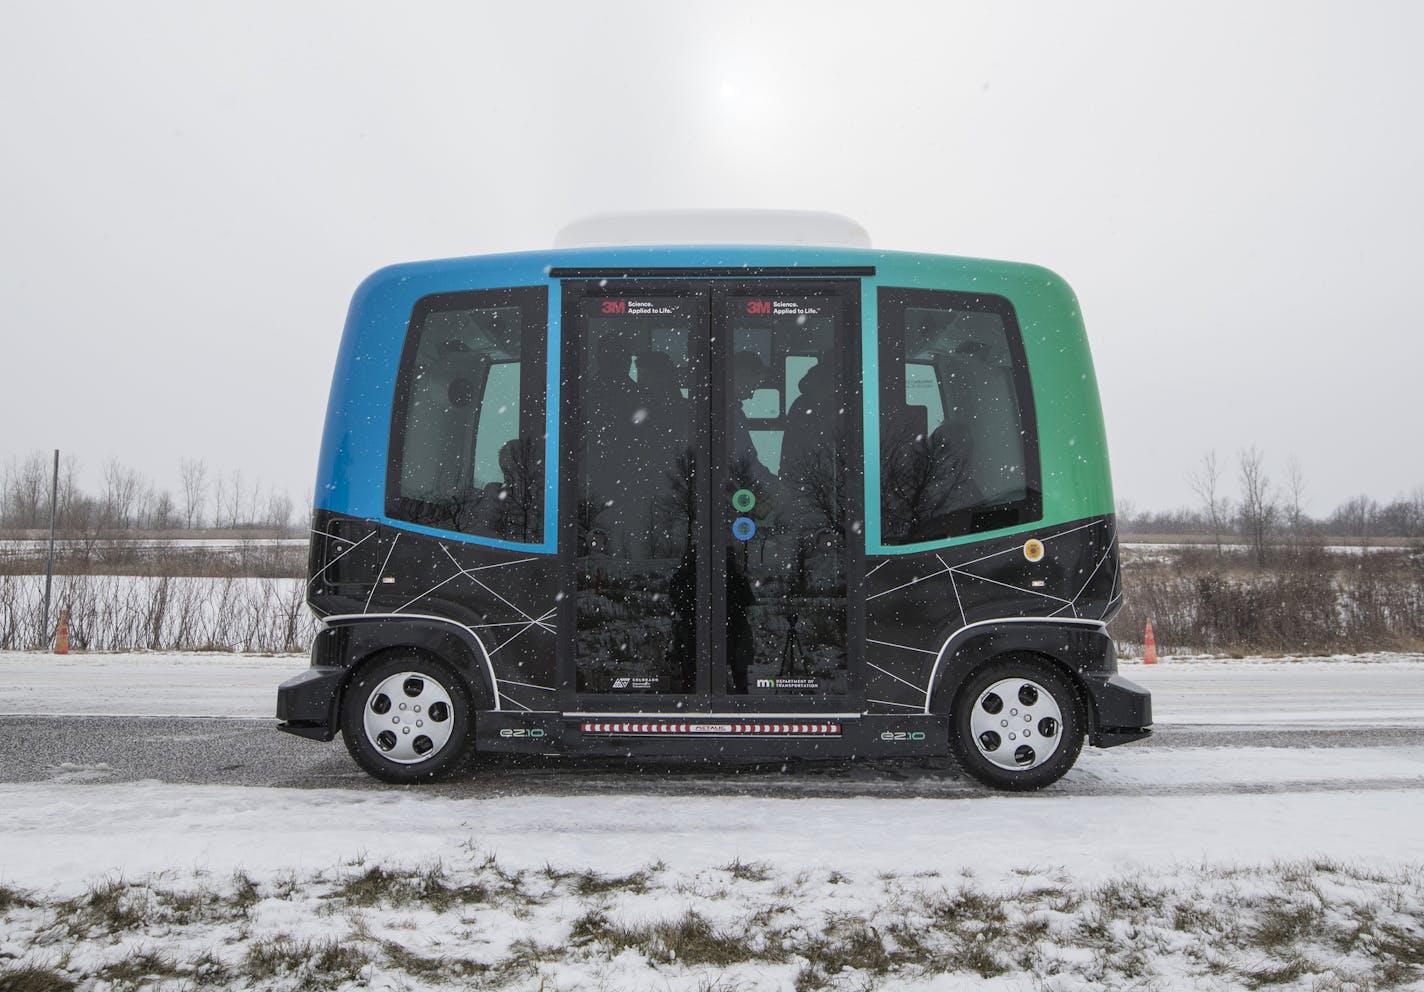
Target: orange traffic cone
[1149,647]
[61,640]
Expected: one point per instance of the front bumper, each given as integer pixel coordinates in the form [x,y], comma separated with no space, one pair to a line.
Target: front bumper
[1122,709]
[306,703]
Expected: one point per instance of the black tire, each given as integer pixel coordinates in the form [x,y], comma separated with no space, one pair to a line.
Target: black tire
[1018,765]
[449,719]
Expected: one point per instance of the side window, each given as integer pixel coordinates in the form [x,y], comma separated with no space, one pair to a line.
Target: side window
[958,440]
[467,430]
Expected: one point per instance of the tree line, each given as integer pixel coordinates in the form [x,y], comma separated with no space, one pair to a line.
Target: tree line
[127,501]
[1263,510]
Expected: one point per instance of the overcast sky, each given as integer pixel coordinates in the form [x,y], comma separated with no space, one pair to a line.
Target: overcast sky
[192,191]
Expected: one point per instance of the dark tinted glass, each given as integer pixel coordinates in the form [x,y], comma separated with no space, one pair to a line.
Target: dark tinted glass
[467,440]
[958,444]
[782,506]
[640,385]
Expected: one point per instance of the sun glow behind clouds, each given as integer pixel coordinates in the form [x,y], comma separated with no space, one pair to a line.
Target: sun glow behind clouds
[744,105]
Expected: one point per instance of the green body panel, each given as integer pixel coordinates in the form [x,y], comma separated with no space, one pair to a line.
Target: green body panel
[1077,481]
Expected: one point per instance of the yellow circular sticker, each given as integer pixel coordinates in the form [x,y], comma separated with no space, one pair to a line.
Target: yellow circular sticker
[1033,549]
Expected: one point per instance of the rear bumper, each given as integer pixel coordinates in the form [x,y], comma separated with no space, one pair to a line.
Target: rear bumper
[306,703]
[1123,709]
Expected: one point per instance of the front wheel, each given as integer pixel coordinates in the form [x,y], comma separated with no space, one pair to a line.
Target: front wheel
[407,718]
[1017,723]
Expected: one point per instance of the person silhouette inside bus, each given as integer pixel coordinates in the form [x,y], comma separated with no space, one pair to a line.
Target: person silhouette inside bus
[511,502]
[741,641]
[662,454]
[808,448]
[613,398]
[666,410]
[682,595]
[613,404]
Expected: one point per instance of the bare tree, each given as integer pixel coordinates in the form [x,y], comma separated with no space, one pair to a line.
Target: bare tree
[228,498]
[26,491]
[219,499]
[1357,518]
[194,473]
[123,492]
[74,506]
[1204,481]
[249,509]
[279,510]
[163,514]
[1295,496]
[1126,512]
[1258,506]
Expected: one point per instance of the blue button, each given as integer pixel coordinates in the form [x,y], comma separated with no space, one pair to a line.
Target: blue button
[743,528]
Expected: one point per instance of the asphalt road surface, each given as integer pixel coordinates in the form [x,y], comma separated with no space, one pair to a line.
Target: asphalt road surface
[225,751]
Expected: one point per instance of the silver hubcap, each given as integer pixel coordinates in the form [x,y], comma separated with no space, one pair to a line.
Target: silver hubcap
[409,717]
[1016,724]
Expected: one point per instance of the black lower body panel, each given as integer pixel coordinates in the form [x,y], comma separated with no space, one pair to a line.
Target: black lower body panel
[1123,709]
[306,703]
[743,737]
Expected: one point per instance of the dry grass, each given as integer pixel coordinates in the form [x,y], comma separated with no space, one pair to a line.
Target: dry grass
[1306,601]
[127,613]
[26,978]
[1315,924]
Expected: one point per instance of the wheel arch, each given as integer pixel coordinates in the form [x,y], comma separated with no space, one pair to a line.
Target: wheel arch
[1072,645]
[351,641]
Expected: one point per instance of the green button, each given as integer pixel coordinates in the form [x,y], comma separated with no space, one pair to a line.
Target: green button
[743,500]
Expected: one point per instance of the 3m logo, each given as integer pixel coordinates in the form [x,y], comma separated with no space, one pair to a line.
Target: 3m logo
[758,306]
[615,306]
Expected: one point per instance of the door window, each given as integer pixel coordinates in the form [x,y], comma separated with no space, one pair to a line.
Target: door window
[637,452]
[782,521]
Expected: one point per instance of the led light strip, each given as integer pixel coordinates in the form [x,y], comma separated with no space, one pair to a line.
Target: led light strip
[716,729]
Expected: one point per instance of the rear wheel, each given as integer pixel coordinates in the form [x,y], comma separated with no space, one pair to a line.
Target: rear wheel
[407,718]
[1017,723]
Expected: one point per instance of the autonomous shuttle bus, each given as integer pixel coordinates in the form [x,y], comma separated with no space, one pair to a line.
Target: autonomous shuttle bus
[732,500]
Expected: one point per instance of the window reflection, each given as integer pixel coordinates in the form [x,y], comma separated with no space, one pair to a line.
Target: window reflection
[636,560]
[786,431]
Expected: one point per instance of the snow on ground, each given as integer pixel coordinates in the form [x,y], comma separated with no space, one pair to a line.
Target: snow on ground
[73,833]
[667,893]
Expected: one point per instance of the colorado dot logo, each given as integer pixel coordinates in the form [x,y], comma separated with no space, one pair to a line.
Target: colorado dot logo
[1033,549]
